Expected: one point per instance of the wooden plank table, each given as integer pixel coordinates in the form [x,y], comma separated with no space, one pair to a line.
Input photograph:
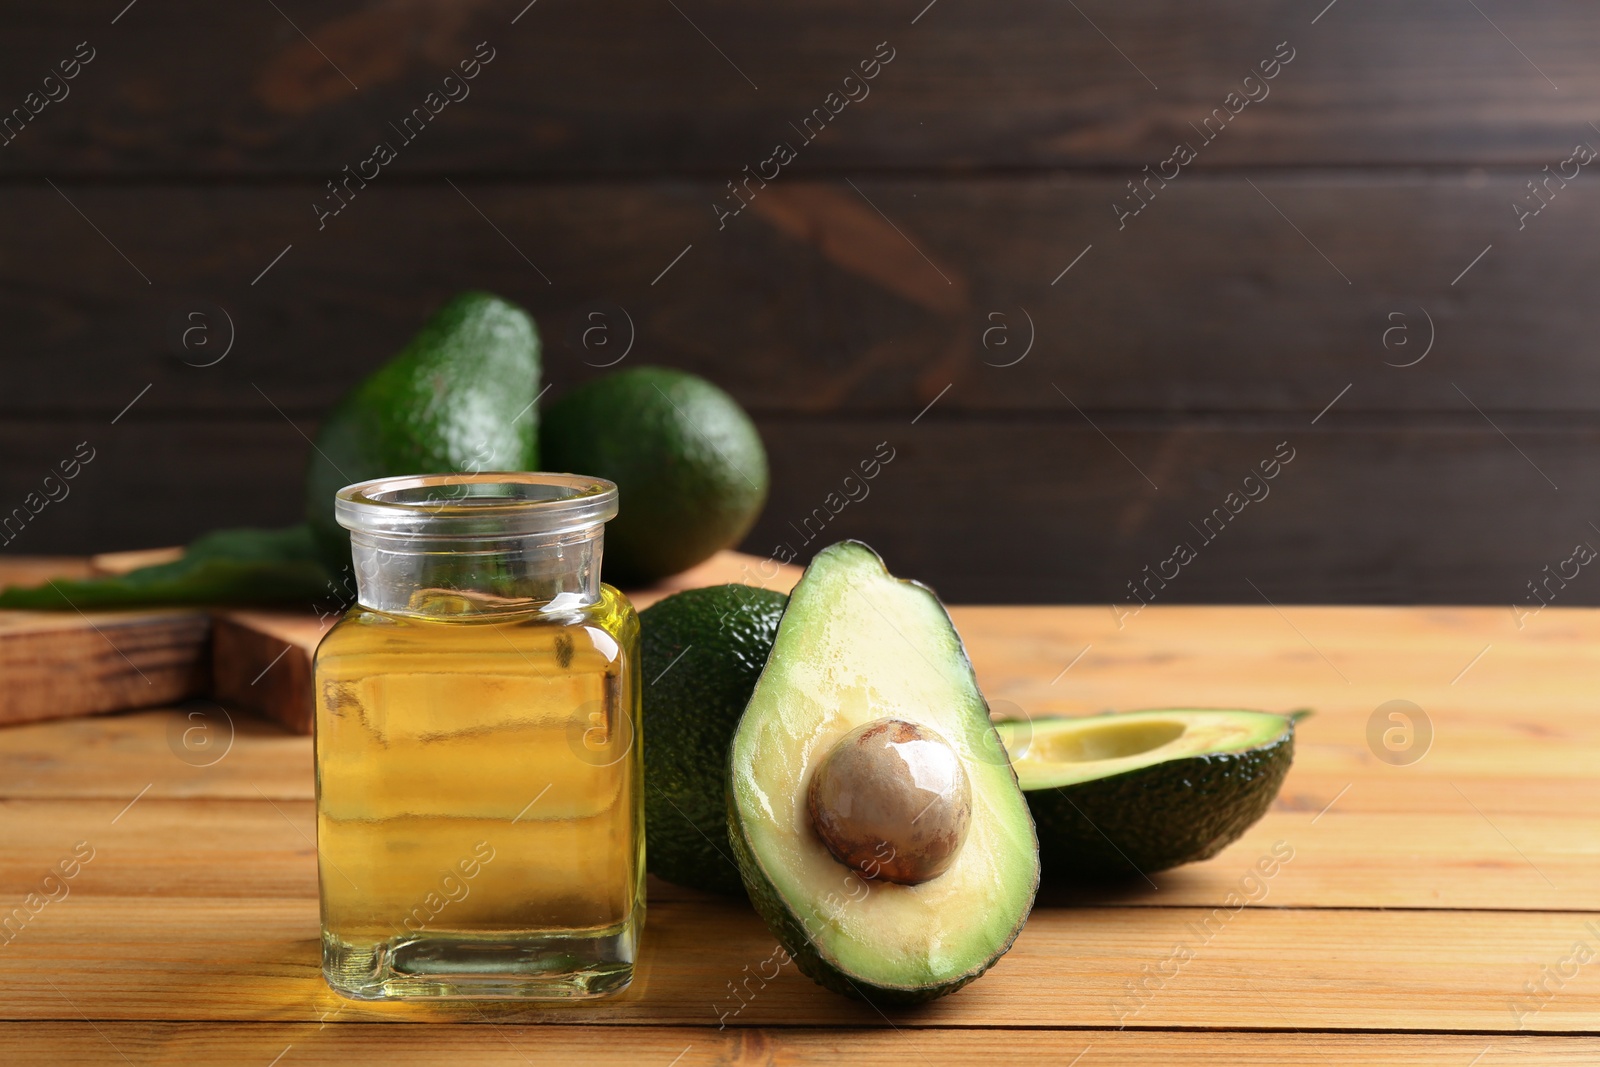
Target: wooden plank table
[1436,910]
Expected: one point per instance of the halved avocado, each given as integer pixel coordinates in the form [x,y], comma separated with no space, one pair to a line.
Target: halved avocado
[1117,796]
[867,726]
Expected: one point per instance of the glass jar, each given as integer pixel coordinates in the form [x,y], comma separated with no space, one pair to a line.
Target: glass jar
[480,828]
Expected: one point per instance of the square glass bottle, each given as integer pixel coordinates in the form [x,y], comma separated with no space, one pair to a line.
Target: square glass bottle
[480,828]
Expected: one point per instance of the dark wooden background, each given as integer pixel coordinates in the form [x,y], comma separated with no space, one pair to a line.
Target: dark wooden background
[878,275]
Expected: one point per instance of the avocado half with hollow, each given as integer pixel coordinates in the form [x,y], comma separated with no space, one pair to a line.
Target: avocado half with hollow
[1117,796]
[877,822]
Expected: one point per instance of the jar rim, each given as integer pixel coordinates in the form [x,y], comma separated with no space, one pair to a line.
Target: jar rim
[489,504]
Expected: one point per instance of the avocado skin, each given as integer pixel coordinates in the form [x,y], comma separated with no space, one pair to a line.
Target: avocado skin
[1156,817]
[459,397]
[690,713]
[788,927]
[797,942]
[690,469]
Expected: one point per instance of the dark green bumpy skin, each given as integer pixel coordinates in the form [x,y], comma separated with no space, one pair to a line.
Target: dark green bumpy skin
[702,651]
[459,397]
[690,469]
[1156,817]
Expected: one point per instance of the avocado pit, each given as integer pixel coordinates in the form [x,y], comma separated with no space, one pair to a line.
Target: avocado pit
[891,800]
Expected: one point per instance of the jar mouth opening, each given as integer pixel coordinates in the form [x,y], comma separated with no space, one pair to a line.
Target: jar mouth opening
[491,504]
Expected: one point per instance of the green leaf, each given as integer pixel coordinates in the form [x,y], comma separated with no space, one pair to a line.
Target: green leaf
[242,566]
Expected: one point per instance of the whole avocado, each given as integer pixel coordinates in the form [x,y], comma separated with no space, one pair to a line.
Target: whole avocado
[702,651]
[459,397]
[690,470]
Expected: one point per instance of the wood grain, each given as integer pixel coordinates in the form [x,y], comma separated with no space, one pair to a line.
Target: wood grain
[1419,898]
[1056,512]
[172,753]
[1262,282]
[1356,501]
[1495,814]
[1208,331]
[259,959]
[61,664]
[1021,83]
[262,660]
[812,302]
[1423,898]
[516,1045]
[1461,859]
[104,758]
[67,663]
[262,663]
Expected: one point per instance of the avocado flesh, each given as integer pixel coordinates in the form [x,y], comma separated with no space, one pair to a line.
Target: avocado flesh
[1119,796]
[856,645]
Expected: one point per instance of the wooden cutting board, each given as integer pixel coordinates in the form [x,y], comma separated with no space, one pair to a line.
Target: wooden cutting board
[62,664]
[261,660]
[56,664]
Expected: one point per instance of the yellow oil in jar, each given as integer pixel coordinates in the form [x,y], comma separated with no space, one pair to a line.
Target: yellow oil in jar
[479,812]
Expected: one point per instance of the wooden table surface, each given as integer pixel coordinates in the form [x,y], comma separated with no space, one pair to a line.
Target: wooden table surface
[1442,910]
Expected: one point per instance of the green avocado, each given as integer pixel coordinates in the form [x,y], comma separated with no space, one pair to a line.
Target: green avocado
[876,819]
[459,397]
[701,653]
[690,471]
[1119,796]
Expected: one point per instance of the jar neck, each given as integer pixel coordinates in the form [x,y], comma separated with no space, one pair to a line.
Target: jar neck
[478,577]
